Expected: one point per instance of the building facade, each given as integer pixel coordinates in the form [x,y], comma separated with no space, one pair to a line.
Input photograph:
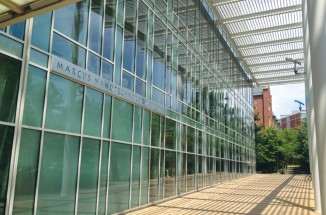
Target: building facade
[109,105]
[294,120]
[263,108]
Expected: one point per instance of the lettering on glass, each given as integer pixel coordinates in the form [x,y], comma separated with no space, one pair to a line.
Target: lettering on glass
[67,69]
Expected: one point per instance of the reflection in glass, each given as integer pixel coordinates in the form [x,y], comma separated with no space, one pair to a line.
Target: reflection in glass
[6,134]
[107,116]
[118,199]
[95,31]
[88,176]
[154,175]
[64,105]
[72,21]
[129,37]
[109,29]
[170,134]
[146,127]
[9,85]
[69,51]
[18,30]
[170,174]
[190,172]
[94,64]
[38,58]
[107,70]
[103,177]
[11,46]
[41,31]
[27,172]
[141,41]
[128,81]
[144,176]
[137,124]
[93,112]
[58,177]
[140,87]
[155,130]
[118,56]
[158,96]
[135,182]
[122,120]
[159,54]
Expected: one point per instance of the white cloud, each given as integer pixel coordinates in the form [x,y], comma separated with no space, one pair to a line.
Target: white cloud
[283,97]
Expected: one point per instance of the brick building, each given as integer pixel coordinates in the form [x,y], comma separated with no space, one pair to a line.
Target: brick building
[263,109]
[294,120]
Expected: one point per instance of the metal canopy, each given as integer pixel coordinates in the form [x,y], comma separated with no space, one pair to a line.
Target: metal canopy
[13,11]
[263,33]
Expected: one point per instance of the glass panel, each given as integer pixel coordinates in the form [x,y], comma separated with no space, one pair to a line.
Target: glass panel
[170,134]
[107,117]
[93,112]
[155,141]
[27,172]
[18,30]
[145,174]
[38,58]
[154,175]
[6,134]
[103,177]
[88,176]
[120,12]
[107,70]
[58,177]
[137,124]
[122,120]
[68,50]
[34,97]
[140,87]
[72,20]
[135,184]
[170,174]
[64,105]
[118,199]
[141,41]
[96,22]
[9,85]
[190,172]
[129,36]
[146,127]
[183,135]
[41,31]
[159,54]
[11,46]
[128,81]
[109,29]
[94,64]
[118,56]
[183,173]
[158,96]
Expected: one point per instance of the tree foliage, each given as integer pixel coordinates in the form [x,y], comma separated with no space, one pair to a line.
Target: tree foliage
[275,149]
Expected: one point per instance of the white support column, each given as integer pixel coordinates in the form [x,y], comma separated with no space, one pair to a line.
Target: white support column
[313,157]
[316,15]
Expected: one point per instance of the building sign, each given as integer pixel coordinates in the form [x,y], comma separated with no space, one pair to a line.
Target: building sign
[67,69]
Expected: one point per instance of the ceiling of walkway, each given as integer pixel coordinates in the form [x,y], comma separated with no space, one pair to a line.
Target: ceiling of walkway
[264,33]
[13,11]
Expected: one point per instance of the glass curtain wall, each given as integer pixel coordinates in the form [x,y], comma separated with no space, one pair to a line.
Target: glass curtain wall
[67,147]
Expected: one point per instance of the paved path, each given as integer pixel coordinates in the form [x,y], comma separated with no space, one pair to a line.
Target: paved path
[257,194]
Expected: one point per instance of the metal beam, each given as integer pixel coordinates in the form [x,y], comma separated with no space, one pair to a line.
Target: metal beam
[271,43]
[267,30]
[226,31]
[263,14]
[293,51]
[292,81]
[277,71]
[12,6]
[288,77]
[272,63]
[223,2]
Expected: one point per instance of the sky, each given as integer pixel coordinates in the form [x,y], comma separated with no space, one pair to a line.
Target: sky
[283,97]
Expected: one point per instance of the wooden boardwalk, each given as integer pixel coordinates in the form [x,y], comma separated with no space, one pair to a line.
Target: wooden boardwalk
[257,194]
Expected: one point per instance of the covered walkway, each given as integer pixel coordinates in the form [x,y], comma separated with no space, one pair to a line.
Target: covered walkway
[256,194]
